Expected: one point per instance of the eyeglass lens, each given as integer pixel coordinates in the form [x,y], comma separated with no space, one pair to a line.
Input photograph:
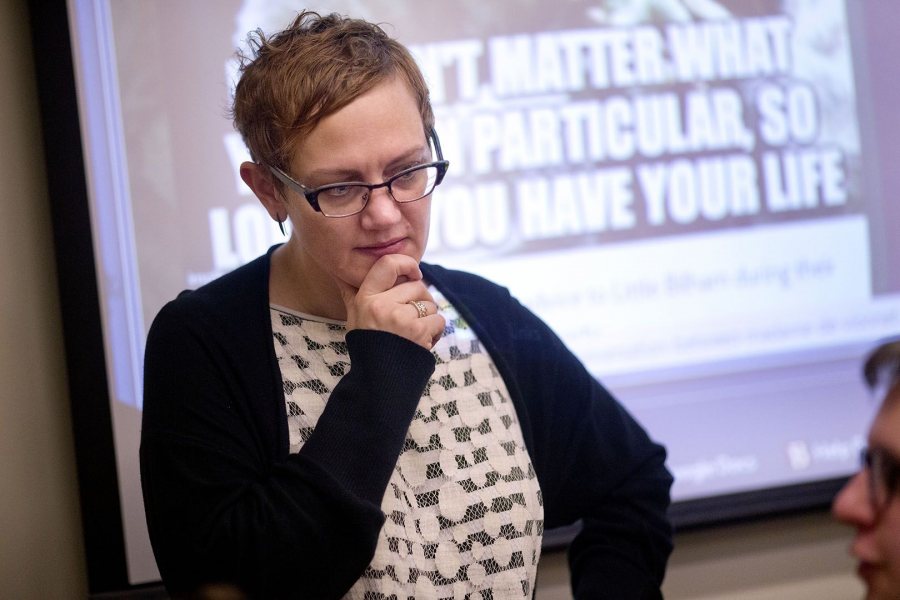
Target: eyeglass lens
[408,186]
[884,473]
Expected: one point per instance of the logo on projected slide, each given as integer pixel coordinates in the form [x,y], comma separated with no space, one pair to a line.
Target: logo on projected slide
[802,455]
[798,455]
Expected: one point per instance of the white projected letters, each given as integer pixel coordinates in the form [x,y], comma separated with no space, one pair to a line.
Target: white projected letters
[710,188]
[566,133]
[573,204]
[599,59]
[804,180]
[615,130]
[730,49]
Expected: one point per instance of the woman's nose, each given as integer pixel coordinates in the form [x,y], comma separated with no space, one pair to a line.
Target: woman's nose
[381,209]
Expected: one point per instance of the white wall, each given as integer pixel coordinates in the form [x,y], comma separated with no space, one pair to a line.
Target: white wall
[41,553]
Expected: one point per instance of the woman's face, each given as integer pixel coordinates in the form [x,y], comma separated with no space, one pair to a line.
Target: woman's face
[369,140]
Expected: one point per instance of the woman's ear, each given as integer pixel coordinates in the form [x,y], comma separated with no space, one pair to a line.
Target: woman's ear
[259,179]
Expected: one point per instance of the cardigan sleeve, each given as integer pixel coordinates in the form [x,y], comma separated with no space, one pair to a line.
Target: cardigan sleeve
[223,508]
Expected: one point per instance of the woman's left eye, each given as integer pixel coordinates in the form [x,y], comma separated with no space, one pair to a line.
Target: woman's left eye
[402,174]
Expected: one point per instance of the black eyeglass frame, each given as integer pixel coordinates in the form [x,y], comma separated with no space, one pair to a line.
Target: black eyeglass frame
[312,194]
[883,470]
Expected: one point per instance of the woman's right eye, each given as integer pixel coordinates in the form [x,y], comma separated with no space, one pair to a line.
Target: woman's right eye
[338,191]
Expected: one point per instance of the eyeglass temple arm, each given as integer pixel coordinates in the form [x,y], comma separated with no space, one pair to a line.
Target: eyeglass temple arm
[440,155]
[437,143]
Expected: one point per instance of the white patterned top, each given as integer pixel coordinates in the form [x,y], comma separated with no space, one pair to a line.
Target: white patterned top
[463,505]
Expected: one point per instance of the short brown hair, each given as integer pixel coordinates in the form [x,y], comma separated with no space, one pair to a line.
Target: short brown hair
[293,79]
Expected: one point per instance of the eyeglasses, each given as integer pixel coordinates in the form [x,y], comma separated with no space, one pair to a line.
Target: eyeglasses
[884,476]
[350,197]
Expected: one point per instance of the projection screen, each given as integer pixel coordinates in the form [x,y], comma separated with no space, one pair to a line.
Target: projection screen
[695,194]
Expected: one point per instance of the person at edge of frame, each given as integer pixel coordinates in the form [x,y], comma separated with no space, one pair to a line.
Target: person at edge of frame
[869,502]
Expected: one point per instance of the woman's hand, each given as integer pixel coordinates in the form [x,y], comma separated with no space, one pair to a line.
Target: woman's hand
[384,301]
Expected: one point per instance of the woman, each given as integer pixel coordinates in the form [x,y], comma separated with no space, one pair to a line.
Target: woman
[335,419]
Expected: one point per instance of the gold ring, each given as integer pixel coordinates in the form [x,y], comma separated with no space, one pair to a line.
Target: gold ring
[420,306]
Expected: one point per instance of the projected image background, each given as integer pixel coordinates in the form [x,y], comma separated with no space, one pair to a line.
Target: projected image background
[693,194]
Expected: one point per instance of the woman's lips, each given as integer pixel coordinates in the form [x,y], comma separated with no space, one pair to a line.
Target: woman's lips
[389,247]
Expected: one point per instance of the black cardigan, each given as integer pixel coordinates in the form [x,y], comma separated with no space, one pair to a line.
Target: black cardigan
[226,502]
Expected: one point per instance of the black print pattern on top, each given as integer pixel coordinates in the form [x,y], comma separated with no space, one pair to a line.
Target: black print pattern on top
[463,506]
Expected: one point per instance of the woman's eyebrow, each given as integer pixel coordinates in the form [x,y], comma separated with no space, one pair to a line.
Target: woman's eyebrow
[338,174]
[335,175]
[417,153]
